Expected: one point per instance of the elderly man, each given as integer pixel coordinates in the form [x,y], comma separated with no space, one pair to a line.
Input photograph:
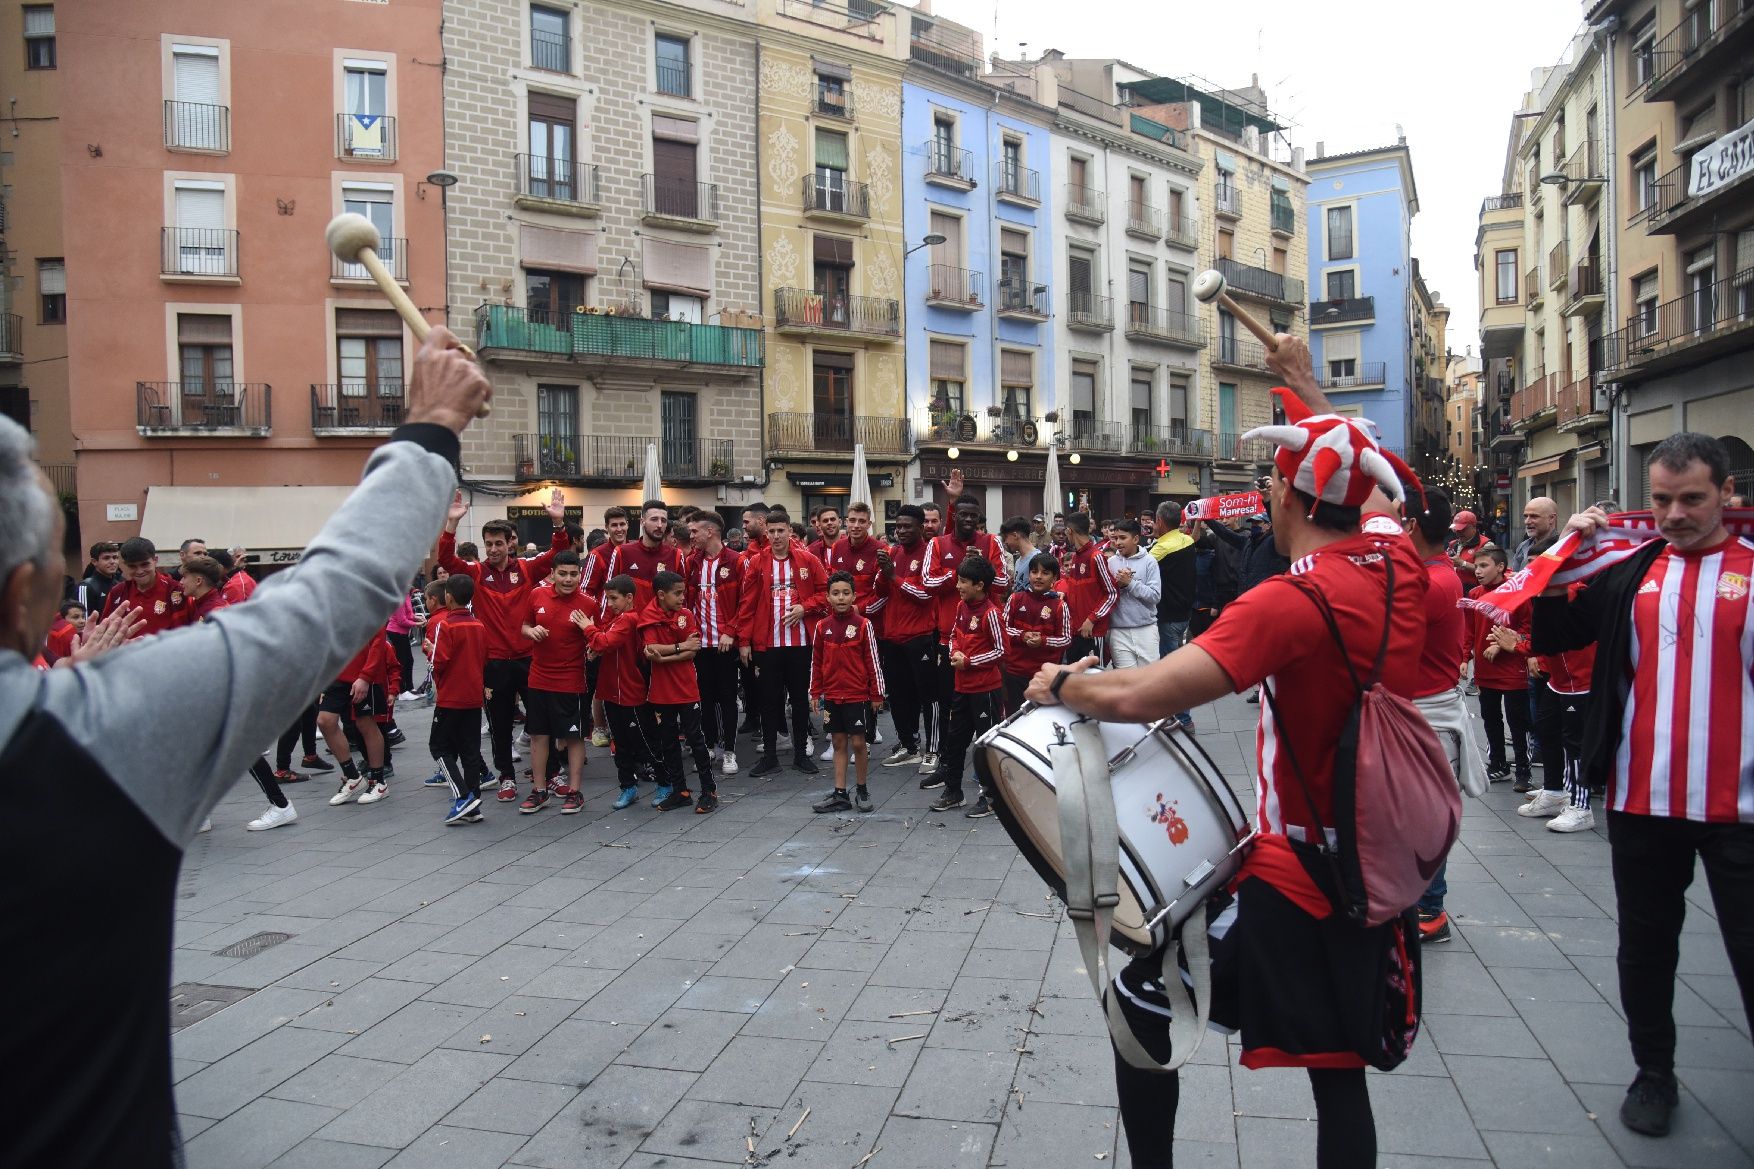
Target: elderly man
[102,1062]
[1540,521]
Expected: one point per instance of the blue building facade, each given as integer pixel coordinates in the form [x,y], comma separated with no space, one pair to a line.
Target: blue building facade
[1360,210]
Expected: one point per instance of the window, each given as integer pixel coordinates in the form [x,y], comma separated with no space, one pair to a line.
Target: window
[1227,414]
[1139,390]
[1177,203]
[199,243]
[1744,274]
[375,201]
[1559,140]
[831,95]
[1017,383]
[1175,297]
[364,93]
[1226,243]
[1226,338]
[39,36]
[1179,422]
[550,297]
[204,357]
[833,256]
[944,157]
[675,185]
[1700,122]
[550,46]
[947,254]
[1138,192]
[1340,352]
[671,53]
[676,445]
[557,430]
[1015,285]
[1083,397]
[552,135]
[1013,180]
[197,118]
[1504,276]
[1078,171]
[52,291]
[1081,276]
[674,306]
[1701,293]
[368,350]
[1644,179]
[948,369]
[15,404]
[1139,293]
[1342,284]
[1339,233]
[1280,259]
[1644,43]
[832,397]
[832,157]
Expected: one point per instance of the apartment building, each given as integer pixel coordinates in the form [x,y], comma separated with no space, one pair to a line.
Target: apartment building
[232,377]
[1674,178]
[604,250]
[1498,255]
[1425,451]
[1464,383]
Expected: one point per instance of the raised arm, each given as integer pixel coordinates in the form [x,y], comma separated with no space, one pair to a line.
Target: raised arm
[1292,363]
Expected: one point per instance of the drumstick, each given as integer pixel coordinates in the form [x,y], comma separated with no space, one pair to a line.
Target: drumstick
[1210,286]
[355,240]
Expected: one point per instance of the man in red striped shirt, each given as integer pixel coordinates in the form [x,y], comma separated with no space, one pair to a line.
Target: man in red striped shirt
[783,595]
[1670,730]
[715,579]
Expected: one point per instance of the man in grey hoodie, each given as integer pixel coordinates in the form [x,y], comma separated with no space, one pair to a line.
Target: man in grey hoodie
[98,822]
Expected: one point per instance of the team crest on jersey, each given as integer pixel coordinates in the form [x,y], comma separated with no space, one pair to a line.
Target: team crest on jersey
[514,578]
[913,566]
[724,574]
[176,596]
[852,630]
[158,608]
[973,623]
[1732,586]
[1046,612]
[858,566]
[1649,586]
[682,621]
[803,574]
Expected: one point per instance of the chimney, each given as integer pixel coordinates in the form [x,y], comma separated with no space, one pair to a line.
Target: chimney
[1321,149]
[1400,135]
[1251,139]
[1297,158]
[1193,115]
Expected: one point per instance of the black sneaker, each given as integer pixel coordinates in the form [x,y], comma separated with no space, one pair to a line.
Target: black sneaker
[1497,772]
[931,781]
[680,798]
[1433,927]
[836,801]
[862,799]
[768,766]
[395,738]
[706,802]
[1524,783]
[805,764]
[1648,1104]
[981,809]
[946,802]
[316,763]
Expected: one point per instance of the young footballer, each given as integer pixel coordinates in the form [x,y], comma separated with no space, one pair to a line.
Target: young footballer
[846,686]
[622,686]
[1038,628]
[977,641]
[357,694]
[458,653]
[556,712]
[670,636]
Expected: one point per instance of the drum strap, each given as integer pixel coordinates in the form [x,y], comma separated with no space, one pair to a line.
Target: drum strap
[1090,844]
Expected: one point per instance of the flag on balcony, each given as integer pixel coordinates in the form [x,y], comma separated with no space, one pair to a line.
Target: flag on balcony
[365,135]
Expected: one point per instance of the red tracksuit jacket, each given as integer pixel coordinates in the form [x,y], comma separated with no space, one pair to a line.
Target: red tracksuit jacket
[759,606]
[1090,588]
[979,634]
[500,593]
[843,660]
[642,564]
[673,683]
[619,679]
[943,554]
[870,590]
[459,658]
[1510,669]
[1032,612]
[714,590]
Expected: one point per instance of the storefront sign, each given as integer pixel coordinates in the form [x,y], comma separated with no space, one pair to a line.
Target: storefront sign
[813,479]
[1722,163]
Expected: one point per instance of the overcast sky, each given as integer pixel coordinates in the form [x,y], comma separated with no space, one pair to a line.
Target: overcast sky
[1341,73]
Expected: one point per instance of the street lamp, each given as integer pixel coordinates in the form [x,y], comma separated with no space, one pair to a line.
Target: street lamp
[926,241]
[1560,178]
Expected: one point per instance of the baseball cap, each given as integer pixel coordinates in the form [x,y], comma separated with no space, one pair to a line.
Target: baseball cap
[1464,519]
[1260,517]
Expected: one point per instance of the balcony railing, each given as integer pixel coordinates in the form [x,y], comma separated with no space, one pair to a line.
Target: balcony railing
[1586,285]
[1584,163]
[1577,403]
[1367,373]
[834,105]
[800,308]
[1284,218]
[1093,434]
[1509,202]
[1532,284]
[614,458]
[1532,402]
[1174,441]
[951,164]
[604,335]
[1240,353]
[1233,448]
[672,78]
[1086,310]
[1144,220]
[679,199]
[1151,323]
[190,125]
[1226,199]
[63,477]
[953,287]
[561,180]
[1085,204]
[1016,182]
[795,432]
[1708,314]
[842,197]
[11,336]
[1348,308]
[859,18]
[1701,31]
[1182,231]
[1021,298]
[551,51]
[944,46]
[393,252]
[1558,264]
[365,136]
[356,406]
[199,251]
[1261,282]
[203,407]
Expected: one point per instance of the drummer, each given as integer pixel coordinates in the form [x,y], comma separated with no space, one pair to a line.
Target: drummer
[1300,996]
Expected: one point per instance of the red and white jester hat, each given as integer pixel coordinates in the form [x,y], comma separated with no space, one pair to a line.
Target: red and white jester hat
[1329,457]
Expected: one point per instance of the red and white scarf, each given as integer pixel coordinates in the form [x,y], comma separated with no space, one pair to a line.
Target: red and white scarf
[1575,558]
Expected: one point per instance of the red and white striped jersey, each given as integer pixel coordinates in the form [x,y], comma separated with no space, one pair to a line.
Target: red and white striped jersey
[771,586]
[713,584]
[1687,735]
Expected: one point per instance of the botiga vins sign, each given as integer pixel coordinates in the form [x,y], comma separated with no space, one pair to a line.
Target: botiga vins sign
[1722,163]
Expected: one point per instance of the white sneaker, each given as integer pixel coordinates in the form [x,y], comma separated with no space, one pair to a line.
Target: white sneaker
[377,792]
[1572,820]
[728,765]
[876,736]
[1545,803]
[523,738]
[405,696]
[272,818]
[517,757]
[928,762]
[206,825]
[349,791]
[599,738]
[828,751]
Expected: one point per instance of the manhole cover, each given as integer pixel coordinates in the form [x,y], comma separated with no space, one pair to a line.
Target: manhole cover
[252,945]
[193,1001]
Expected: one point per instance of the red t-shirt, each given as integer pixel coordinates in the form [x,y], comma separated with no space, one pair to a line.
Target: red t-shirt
[557,662]
[673,683]
[238,587]
[459,660]
[619,679]
[642,564]
[912,611]
[1275,633]
[843,660]
[979,634]
[1509,668]
[500,593]
[1446,631]
[164,604]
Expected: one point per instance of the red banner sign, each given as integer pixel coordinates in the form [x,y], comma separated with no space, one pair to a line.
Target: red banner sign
[1224,507]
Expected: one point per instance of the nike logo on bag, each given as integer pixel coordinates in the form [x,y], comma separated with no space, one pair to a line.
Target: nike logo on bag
[1428,866]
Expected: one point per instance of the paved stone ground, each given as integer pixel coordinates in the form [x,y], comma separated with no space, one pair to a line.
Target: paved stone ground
[636,989]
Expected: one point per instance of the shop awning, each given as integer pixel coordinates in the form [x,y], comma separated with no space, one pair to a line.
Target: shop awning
[273,523]
[1538,467]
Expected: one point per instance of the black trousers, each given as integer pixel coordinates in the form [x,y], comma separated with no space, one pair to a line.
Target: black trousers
[1081,647]
[911,670]
[785,679]
[971,716]
[1014,686]
[716,672]
[633,730]
[304,727]
[456,741]
[403,645]
[1496,708]
[1559,724]
[1200,621]
[678,724]
[264,777]
[505,680]
[944,692]
[750,686]
[1653,858]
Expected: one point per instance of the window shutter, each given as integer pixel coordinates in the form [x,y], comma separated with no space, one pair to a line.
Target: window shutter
[831,150]
[673,162]
[1138,286]
[676,267]
[1013,242]
[200,207]
[946,360]
[546,107]
[1141,386]
[1078,270]
[203,329]
[1017,367]
[831,69]
[52,277]
[552,247]
[675,129]
[39,21]
[1744,257]
[196,73]
[833,251]
[1340,346]
[367,322]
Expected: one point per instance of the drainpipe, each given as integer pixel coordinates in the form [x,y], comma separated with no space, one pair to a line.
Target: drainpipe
[1617,466]
[760,288]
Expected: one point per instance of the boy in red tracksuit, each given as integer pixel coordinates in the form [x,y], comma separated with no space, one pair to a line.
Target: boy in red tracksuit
[358,695]
[977,643]
[1090,587]
[670,638]
[1038,628]
[1559,716]
[555,714]
[622,686]
[458,654]
[846,680]
[1501,672]
[944,555]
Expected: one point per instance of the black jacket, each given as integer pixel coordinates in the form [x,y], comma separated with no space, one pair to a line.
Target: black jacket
[1257,558]
[1601,614]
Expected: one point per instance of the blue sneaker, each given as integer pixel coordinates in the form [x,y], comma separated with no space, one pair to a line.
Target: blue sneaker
[463,810]
[663,794]
[436,779]
[628,797]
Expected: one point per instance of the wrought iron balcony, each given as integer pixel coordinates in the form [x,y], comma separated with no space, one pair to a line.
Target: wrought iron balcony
[557,180]
[1227,200]
[1016,184]
[203,408]
[1093,434]
[1586,294]
[1714,319]
[834,105]
[1342,310]
[618,459]
[1533,289]
[1240,354]
[1284,218]
[948,286]
[672,78]
[504,332]
[1558,264]
[1182,231]
[365,137]
[393,252]
[1232,448]
[944,47]
[806,433]
[1021,298]
[551,51]
[840,199]
[1148,323]
[1367,373]
[803,311]
[949,165]
[1144,220]
[1583,169]
[1509,202]
[193,252]
[1090,312]
[1703,45]
[946,427]
[687,204]
[356,408]
[1173,441]
[11,338]
[196,126]
[1262,283]
[1085,205]
[1578,407]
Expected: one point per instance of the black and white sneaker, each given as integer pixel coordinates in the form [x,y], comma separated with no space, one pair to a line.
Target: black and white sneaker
[947,802]
[902,756]
[862,799]
[836,801]
[931,781]
[981,809]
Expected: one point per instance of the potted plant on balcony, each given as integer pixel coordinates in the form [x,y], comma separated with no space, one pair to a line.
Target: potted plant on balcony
[995,412]
[720,469]
[1051,417]
[526,468]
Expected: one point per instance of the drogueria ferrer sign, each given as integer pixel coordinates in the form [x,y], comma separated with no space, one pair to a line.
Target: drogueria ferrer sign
[1722,163]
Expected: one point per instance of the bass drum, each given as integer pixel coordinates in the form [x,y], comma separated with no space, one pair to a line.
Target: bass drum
[1182,830]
